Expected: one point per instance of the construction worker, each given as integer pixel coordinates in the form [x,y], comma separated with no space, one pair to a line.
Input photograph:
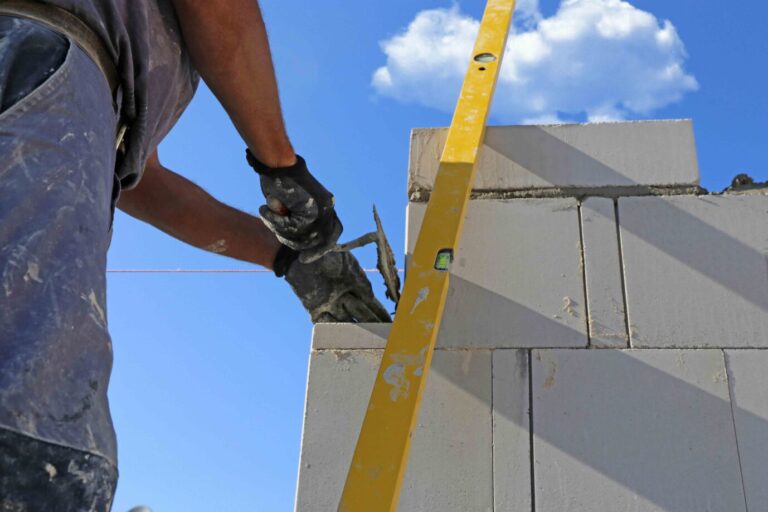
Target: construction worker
[79,78]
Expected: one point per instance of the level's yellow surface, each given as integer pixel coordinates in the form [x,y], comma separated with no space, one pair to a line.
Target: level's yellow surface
[378,465]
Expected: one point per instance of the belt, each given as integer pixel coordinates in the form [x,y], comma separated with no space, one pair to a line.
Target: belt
[77,30]
[68,24]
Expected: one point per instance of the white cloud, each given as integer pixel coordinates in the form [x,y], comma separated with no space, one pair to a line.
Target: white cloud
[603,59]
[527,13]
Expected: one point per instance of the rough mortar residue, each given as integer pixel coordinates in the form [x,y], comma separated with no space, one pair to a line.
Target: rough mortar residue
[394,375]
[420,194]
[741,184]
[548,361]
[218,247]
[745,184]
[568,304]
[51,470]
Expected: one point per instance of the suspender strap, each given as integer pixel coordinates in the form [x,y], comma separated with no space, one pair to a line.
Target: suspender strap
[68,24]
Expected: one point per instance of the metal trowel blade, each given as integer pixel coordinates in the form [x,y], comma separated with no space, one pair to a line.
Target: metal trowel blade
[386,261]
[385,257]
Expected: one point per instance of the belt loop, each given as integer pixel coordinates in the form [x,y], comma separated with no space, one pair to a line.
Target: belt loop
[68,24]
[121,129]
[122,126]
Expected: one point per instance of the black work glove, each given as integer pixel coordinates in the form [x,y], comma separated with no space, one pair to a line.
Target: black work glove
[299,210]
[332,288]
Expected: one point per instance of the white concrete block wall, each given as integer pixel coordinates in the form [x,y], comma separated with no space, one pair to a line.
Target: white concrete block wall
[695,273]
[597,353]
[644,429]
[629,156]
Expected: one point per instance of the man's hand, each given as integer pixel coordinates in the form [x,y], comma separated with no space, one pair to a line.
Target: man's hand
[333,288]
[299,210]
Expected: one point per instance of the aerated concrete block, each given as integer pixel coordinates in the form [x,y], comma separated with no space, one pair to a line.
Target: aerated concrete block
[748,379]
[511,432]
[605,294]
[338,389]
[350,336]
[451,463]
[516,279]
[450,466]
[591,157]
[640,430]
[696,270]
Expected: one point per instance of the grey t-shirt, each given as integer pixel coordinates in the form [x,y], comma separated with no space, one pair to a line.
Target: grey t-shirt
[157,76]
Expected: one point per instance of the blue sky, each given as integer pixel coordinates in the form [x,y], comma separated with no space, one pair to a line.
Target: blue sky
[210,369]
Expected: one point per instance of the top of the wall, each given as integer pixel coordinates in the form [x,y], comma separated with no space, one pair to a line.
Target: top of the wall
[609,159]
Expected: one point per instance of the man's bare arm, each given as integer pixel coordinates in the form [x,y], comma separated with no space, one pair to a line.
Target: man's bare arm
[185,211]
[228,43]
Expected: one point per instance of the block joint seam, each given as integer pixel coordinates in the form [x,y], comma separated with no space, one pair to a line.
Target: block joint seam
[620,248]
[493,435]
[530,431]
[731,400]
[583,263]
[622,272]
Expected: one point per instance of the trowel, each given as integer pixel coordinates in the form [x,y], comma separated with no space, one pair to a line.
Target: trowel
[385,263]
[385,257]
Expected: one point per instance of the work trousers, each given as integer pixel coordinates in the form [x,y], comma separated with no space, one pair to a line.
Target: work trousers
[57,193]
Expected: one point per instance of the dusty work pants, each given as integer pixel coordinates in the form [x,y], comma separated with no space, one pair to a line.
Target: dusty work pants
[57,444]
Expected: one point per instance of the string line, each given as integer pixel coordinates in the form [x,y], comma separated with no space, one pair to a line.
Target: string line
[207,271]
